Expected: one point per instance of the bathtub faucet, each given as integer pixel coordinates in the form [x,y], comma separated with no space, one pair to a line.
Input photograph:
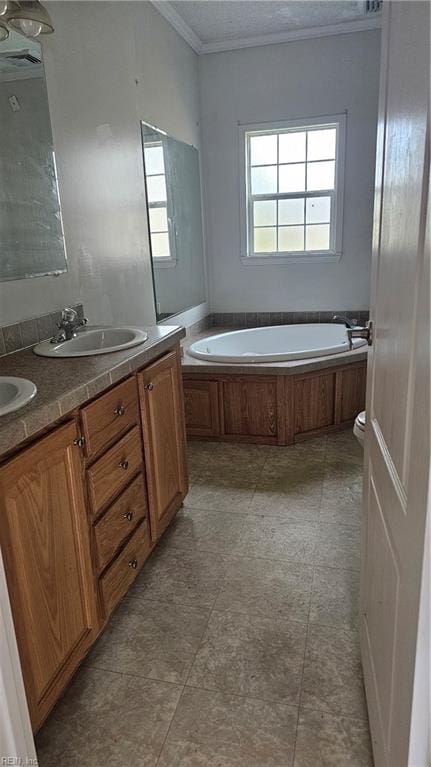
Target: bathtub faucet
[354,331]
[342,318]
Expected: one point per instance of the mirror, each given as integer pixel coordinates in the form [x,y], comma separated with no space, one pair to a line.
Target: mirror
[31,231]
[173,192]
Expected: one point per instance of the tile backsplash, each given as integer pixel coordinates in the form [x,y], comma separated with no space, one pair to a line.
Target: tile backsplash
[256,319]
[20,335]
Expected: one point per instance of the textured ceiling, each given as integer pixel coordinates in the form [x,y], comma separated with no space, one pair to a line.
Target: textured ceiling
[217,20]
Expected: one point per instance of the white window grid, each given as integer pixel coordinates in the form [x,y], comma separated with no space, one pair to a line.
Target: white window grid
[169,259]
[334,251]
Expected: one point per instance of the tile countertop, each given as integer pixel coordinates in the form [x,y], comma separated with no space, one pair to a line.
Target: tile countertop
[288,367]
[64,384]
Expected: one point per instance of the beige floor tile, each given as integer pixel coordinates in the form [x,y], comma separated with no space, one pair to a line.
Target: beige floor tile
[203,530]
[215,730]
[335,597]
[276,538]
[184,577]
[338,546]
[241,455]
[294,503]
[342,493]
[289,490]
[222,493]
[151,639]
[310,451]
[263,587]
[344,445]
[252,656]
[332,679]
[106,718]
[325,740]
[210,457]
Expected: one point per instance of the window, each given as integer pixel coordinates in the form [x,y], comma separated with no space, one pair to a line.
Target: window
[294,190]
[155,177]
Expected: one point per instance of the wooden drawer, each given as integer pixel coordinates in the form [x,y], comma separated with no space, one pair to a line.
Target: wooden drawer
[113,471]
[109,416]
[124,569]
[119,521]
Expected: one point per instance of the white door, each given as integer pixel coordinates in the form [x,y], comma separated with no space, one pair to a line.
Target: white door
[398,429]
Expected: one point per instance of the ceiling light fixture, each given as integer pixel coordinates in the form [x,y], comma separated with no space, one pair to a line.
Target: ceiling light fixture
[29,17]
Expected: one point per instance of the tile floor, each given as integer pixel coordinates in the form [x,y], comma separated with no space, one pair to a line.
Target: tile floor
[237,646]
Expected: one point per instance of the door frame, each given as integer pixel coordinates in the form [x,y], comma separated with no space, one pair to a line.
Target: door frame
[419,744]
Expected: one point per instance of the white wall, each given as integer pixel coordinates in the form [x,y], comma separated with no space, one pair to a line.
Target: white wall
[108,65]
[281,82]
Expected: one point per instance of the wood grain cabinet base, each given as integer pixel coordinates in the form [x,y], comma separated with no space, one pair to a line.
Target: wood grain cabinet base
[75,520]
[275,410]
[46,550]
[162,409]
[124,569]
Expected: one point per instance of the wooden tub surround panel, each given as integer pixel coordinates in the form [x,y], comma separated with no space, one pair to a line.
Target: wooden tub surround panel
[273,409]
[77,525]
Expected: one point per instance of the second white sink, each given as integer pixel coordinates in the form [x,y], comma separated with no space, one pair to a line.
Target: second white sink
[15,393]
[93,341]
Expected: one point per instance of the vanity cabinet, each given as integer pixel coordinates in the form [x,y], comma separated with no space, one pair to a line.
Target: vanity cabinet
[162,408]
[45,545]
[80,511]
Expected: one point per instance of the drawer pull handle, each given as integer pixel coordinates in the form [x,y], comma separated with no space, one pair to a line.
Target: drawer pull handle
[124,465]
[149,387]
[128,515]
[133,563]
[120,410]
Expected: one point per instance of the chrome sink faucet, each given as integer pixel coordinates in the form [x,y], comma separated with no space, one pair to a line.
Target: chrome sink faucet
[68,325]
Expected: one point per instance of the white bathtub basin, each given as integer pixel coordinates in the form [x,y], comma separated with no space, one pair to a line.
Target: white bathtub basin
[274,343]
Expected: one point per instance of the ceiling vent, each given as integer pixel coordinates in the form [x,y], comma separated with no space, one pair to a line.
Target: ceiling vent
[373,7]
[19,58]
[18,65]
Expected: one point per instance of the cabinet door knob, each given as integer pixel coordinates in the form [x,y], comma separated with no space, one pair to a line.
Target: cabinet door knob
[128,515]
[120,410]
[124,465]
[149,387]
[79,441]
[133,563]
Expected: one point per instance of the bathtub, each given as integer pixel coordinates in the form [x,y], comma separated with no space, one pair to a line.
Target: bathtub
[275,343]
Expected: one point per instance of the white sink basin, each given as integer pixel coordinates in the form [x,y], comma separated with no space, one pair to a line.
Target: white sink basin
[15,393]
[93,341]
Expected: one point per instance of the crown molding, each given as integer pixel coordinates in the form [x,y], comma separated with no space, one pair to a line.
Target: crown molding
[308,33]
[345,27]
[177,22]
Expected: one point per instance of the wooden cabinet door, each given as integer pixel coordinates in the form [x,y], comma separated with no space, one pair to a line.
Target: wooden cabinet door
[161,394]
[202,408]
[44,537]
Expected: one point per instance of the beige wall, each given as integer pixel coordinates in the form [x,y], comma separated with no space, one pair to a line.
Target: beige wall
[289,81]
[108,65]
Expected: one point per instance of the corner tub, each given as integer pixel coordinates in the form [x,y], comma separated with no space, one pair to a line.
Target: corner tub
[274,344]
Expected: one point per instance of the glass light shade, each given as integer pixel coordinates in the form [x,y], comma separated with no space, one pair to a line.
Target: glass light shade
[4,32]
[31,18]
[28,27]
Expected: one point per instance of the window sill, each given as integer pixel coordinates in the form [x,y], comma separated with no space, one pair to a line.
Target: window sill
[316,258]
